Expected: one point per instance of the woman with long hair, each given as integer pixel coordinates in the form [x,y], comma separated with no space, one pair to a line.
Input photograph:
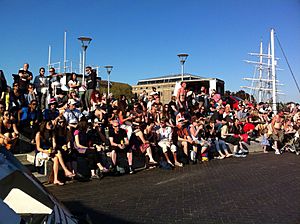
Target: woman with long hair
[46,147]
[83,148]
[8,130]
[74,83]
[95,100]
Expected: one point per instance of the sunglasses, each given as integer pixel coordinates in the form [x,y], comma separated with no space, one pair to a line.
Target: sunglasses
[116,126]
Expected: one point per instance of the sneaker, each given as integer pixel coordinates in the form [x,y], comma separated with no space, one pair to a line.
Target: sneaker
[237,154]
[277,152]
[242,150]
[131,170]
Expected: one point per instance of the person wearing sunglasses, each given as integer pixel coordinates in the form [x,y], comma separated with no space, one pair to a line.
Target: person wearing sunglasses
[29,118]
[8,131]
[46,149]
[119,142]
[25,76]
[41,83]
[16,98]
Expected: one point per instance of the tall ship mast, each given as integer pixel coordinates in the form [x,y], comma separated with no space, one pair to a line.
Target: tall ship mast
[264,82]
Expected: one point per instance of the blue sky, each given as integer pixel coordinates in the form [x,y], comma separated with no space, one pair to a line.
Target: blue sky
[141,39]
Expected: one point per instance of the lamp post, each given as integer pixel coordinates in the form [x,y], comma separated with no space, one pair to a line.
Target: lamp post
[85,41]
[108,70]
[182,58]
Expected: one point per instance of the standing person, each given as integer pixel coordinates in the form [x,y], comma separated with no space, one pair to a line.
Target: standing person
[202,97]
[41,83]
[31,94]
[54,82]
[277,130]
[90,85]
[24,78]
[181,96]
[3,83]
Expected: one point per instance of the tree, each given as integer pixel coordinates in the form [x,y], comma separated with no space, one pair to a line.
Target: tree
[117,89]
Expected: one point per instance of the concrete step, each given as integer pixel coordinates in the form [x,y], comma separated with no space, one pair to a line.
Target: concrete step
[27,159]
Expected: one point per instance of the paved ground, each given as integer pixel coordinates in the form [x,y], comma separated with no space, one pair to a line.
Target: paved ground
[262,188]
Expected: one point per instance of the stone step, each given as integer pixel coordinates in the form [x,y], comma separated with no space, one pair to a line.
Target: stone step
[27,159]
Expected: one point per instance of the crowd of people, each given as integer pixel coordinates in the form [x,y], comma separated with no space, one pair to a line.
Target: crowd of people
[83,124]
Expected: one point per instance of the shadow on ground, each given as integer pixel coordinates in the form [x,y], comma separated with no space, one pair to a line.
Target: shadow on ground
[87,215]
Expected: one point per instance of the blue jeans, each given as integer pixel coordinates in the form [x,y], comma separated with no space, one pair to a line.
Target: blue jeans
[219,143]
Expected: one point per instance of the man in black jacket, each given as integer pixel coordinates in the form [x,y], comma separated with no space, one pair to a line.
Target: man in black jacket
[25,76]
[90,85]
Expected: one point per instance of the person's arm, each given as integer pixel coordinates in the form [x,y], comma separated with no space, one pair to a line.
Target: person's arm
[2,134]
[38,143]
[126,141]
[15,129]
[194,131]
[30,77]
[77,142]
[19,116]
[53,142]
[178,98]
[112,143]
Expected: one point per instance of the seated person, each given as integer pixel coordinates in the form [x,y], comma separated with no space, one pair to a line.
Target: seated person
[184,139]
[8,130]
[119,142]
[46,147]
[29,119]
[165,142]
[83,148]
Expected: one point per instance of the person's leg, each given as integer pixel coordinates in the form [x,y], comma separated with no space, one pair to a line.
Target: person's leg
[149,153]
[129,157]
[55,171]
[68,173]
[185,148]
[174,151]
[224,147]
[218,144]
[87,98]
[140,134]
[164,146]
[114,157]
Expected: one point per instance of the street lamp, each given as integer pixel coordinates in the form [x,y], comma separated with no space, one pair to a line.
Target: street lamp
[108,70]
[182,58]
[85,41]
